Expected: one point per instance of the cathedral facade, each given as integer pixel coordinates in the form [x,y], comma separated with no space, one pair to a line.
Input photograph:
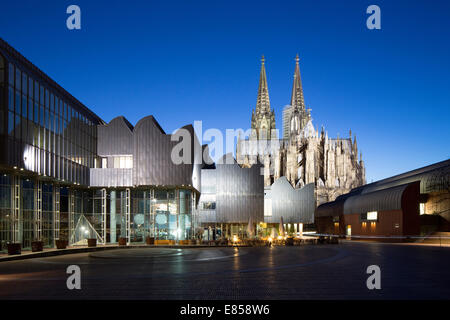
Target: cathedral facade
[303,154]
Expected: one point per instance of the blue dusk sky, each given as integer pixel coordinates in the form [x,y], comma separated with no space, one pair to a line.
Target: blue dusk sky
[183,61]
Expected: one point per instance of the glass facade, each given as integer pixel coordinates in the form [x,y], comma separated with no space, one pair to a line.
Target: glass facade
[49,144]
[26,211]
[5,210]
[47,134]
[2,94]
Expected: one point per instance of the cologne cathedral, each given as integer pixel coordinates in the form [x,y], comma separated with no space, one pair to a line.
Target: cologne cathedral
[303,155]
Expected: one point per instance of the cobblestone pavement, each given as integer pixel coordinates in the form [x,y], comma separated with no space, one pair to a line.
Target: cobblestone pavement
[303,272]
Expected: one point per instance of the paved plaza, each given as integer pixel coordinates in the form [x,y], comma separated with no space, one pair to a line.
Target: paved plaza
[300,272]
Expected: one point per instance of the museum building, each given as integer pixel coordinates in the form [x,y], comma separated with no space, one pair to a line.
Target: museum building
[409,204]
[66,174]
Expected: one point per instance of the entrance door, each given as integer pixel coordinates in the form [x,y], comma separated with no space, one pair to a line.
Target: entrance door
[349,230]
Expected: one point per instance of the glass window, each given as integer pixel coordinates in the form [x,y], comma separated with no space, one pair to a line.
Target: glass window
[11,123]
[36,113]
[24,106]
[11,75]
[36,91]
[41,94]
[2,70]
[41,118]
[267,207]
[372,215]
[422,208]
[51,119]
[30,87]
[52,102]
[10,98]
[18,79]
[129,162]
[47,99]
[116,162]
[17,126]
[24,83]
[209,205]
[17,101]
[30,109]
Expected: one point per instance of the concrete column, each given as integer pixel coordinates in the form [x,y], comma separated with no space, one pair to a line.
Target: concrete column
[56,213]
[112,218]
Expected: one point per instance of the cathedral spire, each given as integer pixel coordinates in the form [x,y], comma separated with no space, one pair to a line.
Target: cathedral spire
[263,102]
[297,100]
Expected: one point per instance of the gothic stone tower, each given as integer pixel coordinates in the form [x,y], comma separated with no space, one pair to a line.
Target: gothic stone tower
[299,116]
[305,155]
[263,117]
[256,149]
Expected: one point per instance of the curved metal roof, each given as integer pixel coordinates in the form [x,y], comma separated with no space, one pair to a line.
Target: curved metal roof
[330,209]
[382,200]
[435,177]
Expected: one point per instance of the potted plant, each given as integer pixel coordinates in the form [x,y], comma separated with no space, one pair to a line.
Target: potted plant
[37,245]
[92,242]
[61,243]
[122,241]
[14,248]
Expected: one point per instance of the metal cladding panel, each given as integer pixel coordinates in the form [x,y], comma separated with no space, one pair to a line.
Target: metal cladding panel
[240,193]
[294,205]
[152,163]
[115,138]
[209,181]
[111,177]
[208,194]
[382,200]
[206,216]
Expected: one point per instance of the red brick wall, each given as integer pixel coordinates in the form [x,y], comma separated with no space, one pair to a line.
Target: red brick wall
[385,226]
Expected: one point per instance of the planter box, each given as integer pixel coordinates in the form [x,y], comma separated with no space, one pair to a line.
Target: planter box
[192,242]
[165,242]
[184,242]
[61,244]
[122,241]
[37,246]
[289,241]
[150,240]
[14,248]
[92,242]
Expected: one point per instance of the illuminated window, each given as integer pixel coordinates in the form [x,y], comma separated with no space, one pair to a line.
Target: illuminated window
[123,162]
[422,208]
[209,205]
[372,215]
[267,207]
